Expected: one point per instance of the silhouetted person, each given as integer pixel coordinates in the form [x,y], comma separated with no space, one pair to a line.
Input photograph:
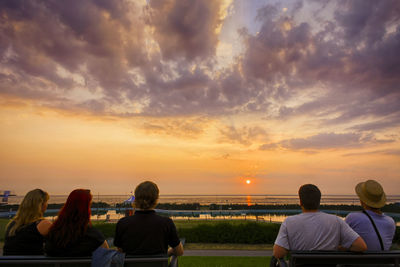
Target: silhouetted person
[72,233]
[145,232]
[26,231]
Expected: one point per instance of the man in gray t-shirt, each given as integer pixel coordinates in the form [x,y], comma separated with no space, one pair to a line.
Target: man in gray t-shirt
[315,230]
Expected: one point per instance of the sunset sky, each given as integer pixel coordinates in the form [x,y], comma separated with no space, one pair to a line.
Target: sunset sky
[199,96]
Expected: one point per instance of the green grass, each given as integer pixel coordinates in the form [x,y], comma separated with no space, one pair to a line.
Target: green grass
[219,246]
[213,261]
[108,229]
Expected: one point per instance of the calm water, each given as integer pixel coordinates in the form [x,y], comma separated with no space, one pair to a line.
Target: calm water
[220,199]
[269,216]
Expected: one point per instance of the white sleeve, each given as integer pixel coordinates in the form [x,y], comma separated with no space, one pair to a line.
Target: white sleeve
[347,235]
[282,239]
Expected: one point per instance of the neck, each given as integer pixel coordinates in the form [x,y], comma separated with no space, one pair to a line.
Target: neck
[378,211]
[306,210]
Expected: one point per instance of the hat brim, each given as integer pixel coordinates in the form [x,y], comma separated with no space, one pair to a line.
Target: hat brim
[367,201]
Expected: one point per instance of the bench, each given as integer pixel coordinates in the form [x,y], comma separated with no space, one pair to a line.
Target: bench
[321,258]
[130,261]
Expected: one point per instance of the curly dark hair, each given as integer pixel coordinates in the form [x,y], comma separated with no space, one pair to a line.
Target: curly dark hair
[146,195]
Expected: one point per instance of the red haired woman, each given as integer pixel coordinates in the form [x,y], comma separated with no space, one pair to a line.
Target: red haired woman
[72,233]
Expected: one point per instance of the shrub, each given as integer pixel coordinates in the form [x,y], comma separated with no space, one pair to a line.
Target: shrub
[225,232]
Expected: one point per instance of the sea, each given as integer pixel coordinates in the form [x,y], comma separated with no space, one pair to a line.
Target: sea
[275,216]
[220,199]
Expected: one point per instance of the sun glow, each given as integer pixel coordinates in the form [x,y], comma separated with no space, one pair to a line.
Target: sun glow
[248,181]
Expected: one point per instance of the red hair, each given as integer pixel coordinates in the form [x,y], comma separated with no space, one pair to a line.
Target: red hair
[73,219]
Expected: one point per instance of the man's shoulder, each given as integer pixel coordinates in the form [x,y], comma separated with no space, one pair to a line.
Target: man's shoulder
[295,218]
[356,215]
[330,216]
[388,220]
[332,219]
[163,218]
[125,220]
[306,216]
[122,220]
[310,214]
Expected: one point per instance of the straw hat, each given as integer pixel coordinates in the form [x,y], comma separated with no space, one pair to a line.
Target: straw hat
[371,193]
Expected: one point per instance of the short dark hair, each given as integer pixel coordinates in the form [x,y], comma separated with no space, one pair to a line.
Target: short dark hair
[310,196]
[146,195]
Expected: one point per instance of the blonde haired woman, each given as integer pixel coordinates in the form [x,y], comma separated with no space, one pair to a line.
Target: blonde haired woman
[25,232]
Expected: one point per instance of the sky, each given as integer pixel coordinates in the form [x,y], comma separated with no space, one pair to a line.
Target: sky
[199,96]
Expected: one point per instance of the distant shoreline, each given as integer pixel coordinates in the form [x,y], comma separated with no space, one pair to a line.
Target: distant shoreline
[392,208]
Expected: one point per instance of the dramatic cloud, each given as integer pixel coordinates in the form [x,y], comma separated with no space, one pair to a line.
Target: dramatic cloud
[358,75]
[206,90]
[185,29]
[326,141]
[383,123]
[244,136]
[389,152]
[182,128]
[122,58]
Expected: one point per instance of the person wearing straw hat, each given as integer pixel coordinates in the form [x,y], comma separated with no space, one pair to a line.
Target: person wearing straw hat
[371,224]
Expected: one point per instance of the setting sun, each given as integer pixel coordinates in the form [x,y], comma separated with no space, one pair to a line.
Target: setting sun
[248,181]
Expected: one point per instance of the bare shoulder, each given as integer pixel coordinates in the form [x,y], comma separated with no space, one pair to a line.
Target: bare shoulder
[44,227]
[45,223]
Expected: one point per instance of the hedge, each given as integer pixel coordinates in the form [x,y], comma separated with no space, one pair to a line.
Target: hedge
[225,232]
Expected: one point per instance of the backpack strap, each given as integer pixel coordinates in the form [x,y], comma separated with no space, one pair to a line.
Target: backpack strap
[376,229]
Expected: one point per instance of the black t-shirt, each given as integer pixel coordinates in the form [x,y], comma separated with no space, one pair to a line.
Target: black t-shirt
[145,233]
[88,243]
[26,241]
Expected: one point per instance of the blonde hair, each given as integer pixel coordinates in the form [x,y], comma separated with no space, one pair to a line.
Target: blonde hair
[29,211]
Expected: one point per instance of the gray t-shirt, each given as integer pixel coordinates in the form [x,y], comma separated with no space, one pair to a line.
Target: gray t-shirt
[315,231]
[363,226]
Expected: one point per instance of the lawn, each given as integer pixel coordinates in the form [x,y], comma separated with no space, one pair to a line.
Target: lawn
[220,246]
[211,261]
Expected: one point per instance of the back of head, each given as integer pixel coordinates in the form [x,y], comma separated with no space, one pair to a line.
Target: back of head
[146,195]
[73,219]
[310,196]
[30,209]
